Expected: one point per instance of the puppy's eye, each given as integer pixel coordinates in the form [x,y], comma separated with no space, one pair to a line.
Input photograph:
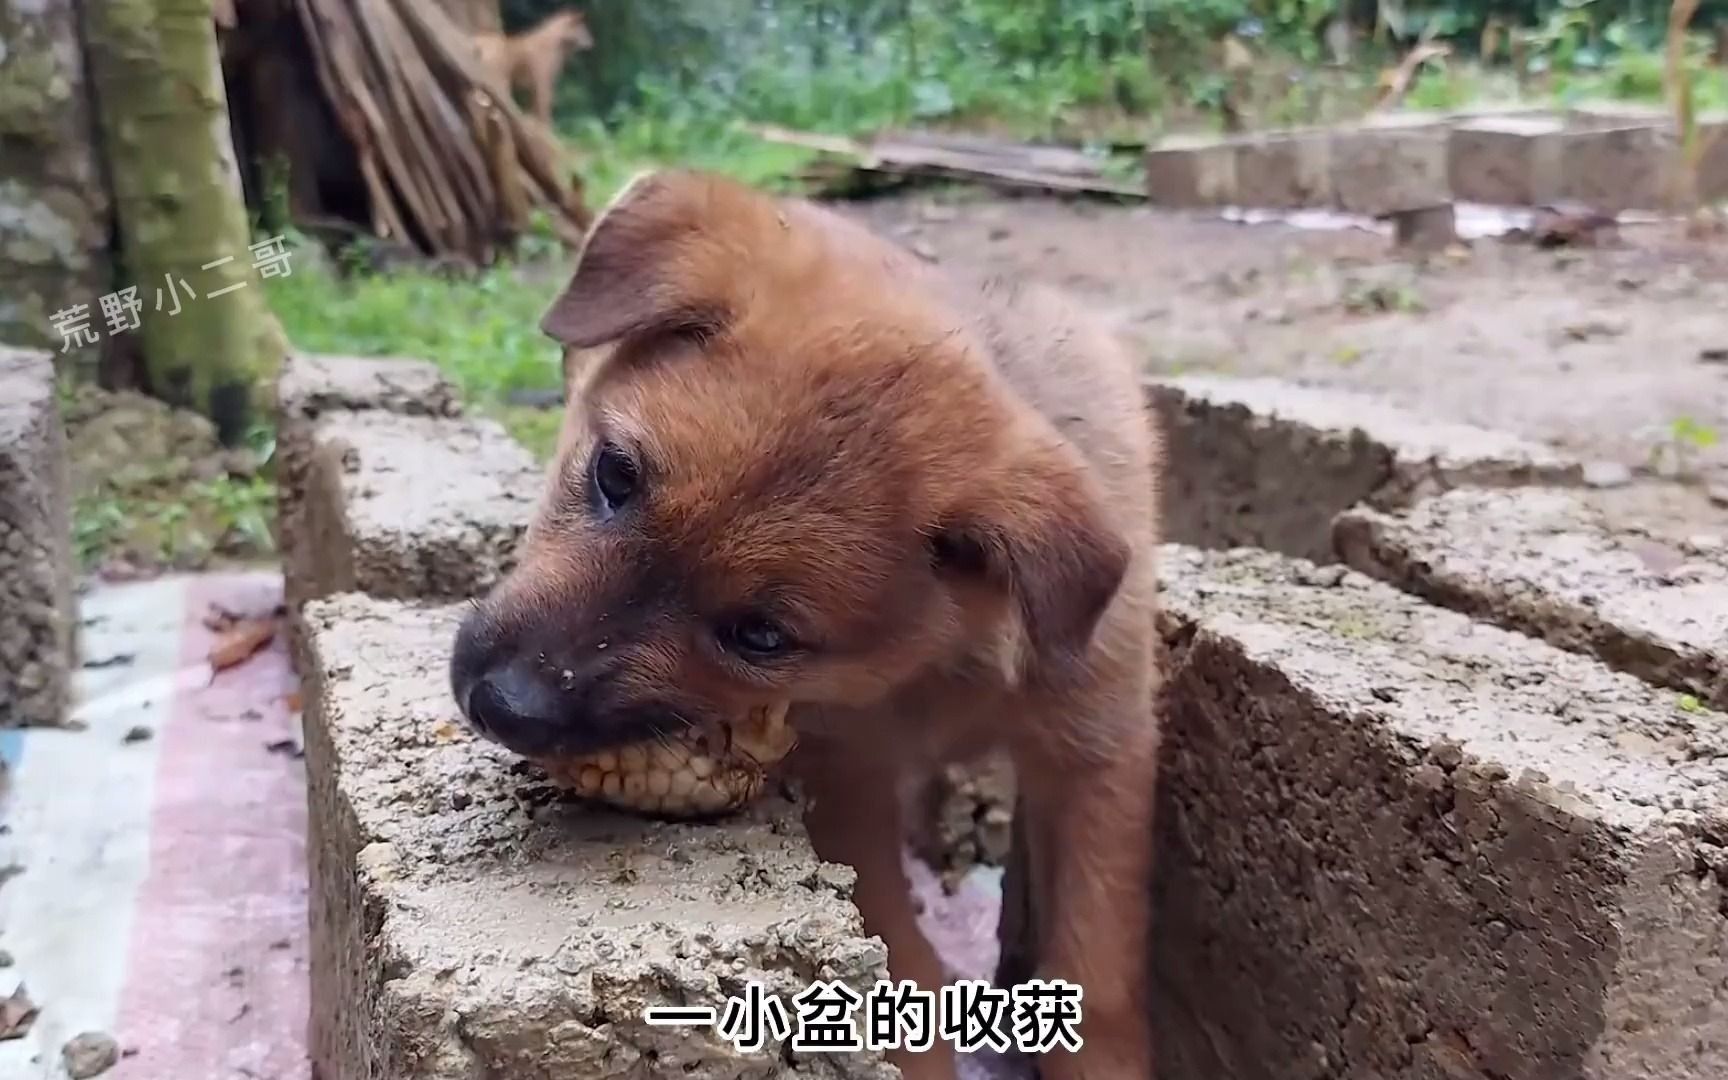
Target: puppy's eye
[955,550]
[755,637]
[615,476]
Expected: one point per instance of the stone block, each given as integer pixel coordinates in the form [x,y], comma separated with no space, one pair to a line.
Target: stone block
[309,390]
[1544,563]
[1713,158]
[388,488]
[1191,173]
[1385,167]
[466,921]
[1496,110]
[1600,115]
[311,385]
[1397,844]
[1433,119]
[1426,230]
[410,506]
[1614,169]
[1265,463]
[38,617]
[1283,170]
[1506,161]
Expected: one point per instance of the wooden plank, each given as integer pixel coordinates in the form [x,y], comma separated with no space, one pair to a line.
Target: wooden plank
[956,157]
[1038,157]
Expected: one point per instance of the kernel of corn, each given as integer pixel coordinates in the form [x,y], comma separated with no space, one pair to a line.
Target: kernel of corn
[680,776]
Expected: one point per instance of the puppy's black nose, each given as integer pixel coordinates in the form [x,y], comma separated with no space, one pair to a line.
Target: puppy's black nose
[518,707]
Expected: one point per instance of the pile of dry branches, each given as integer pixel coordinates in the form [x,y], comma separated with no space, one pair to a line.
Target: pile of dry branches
[449,162]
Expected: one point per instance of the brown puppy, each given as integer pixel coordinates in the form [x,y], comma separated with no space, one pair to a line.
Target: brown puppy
[812,467]
[534,58]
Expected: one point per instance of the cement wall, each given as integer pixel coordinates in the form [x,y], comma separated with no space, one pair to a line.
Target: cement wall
[1611,157]
[1394,840]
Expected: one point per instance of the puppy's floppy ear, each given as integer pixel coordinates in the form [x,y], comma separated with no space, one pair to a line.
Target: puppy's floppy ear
[647,264]
[1043,536]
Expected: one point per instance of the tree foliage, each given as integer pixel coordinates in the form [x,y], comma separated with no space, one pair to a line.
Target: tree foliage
[835,63]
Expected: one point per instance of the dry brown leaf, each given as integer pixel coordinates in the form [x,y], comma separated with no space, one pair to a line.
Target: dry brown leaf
[237,644]
[17,1014]
[294,702]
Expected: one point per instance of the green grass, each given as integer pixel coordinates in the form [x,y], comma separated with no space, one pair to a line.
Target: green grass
[175,526]
[483,330]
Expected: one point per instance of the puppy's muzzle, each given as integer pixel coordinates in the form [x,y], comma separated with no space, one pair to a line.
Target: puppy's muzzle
[518,687]
[516,706]
[510,695]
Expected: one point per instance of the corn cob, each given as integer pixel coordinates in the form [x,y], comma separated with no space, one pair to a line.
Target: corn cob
[679,776]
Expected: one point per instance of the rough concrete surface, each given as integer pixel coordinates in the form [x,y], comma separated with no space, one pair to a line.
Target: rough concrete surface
[1604,114]
[1385,168]
[1188,173]
[389,489]
[1619,168]
[1545,563]
[309,390]
[311,384]
[468,923]
[1712,176]
[1395,843]
[1612,156]
[1506,161]
[1260,462]
[37,614]
[1284,169]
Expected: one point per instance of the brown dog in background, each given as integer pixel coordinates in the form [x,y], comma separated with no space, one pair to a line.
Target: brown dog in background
[812,467]
[534,58]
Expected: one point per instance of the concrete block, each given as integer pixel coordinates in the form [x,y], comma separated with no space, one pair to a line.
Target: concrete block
[38,618]
[1266,463]
[1544,563]
[1426,230]
[1401,845]
[466,922]
[1384,167]
[411,506]
[1619,168]
[1601,115]
[1713,158]
[309,391]
[1284,170]
[388,489]
[1188,173]
[1435,119]
[311,385]
[1506,110]
[1506,161]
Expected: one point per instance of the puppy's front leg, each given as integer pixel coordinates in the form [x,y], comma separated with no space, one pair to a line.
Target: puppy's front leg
[1089,881]
[854,817]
